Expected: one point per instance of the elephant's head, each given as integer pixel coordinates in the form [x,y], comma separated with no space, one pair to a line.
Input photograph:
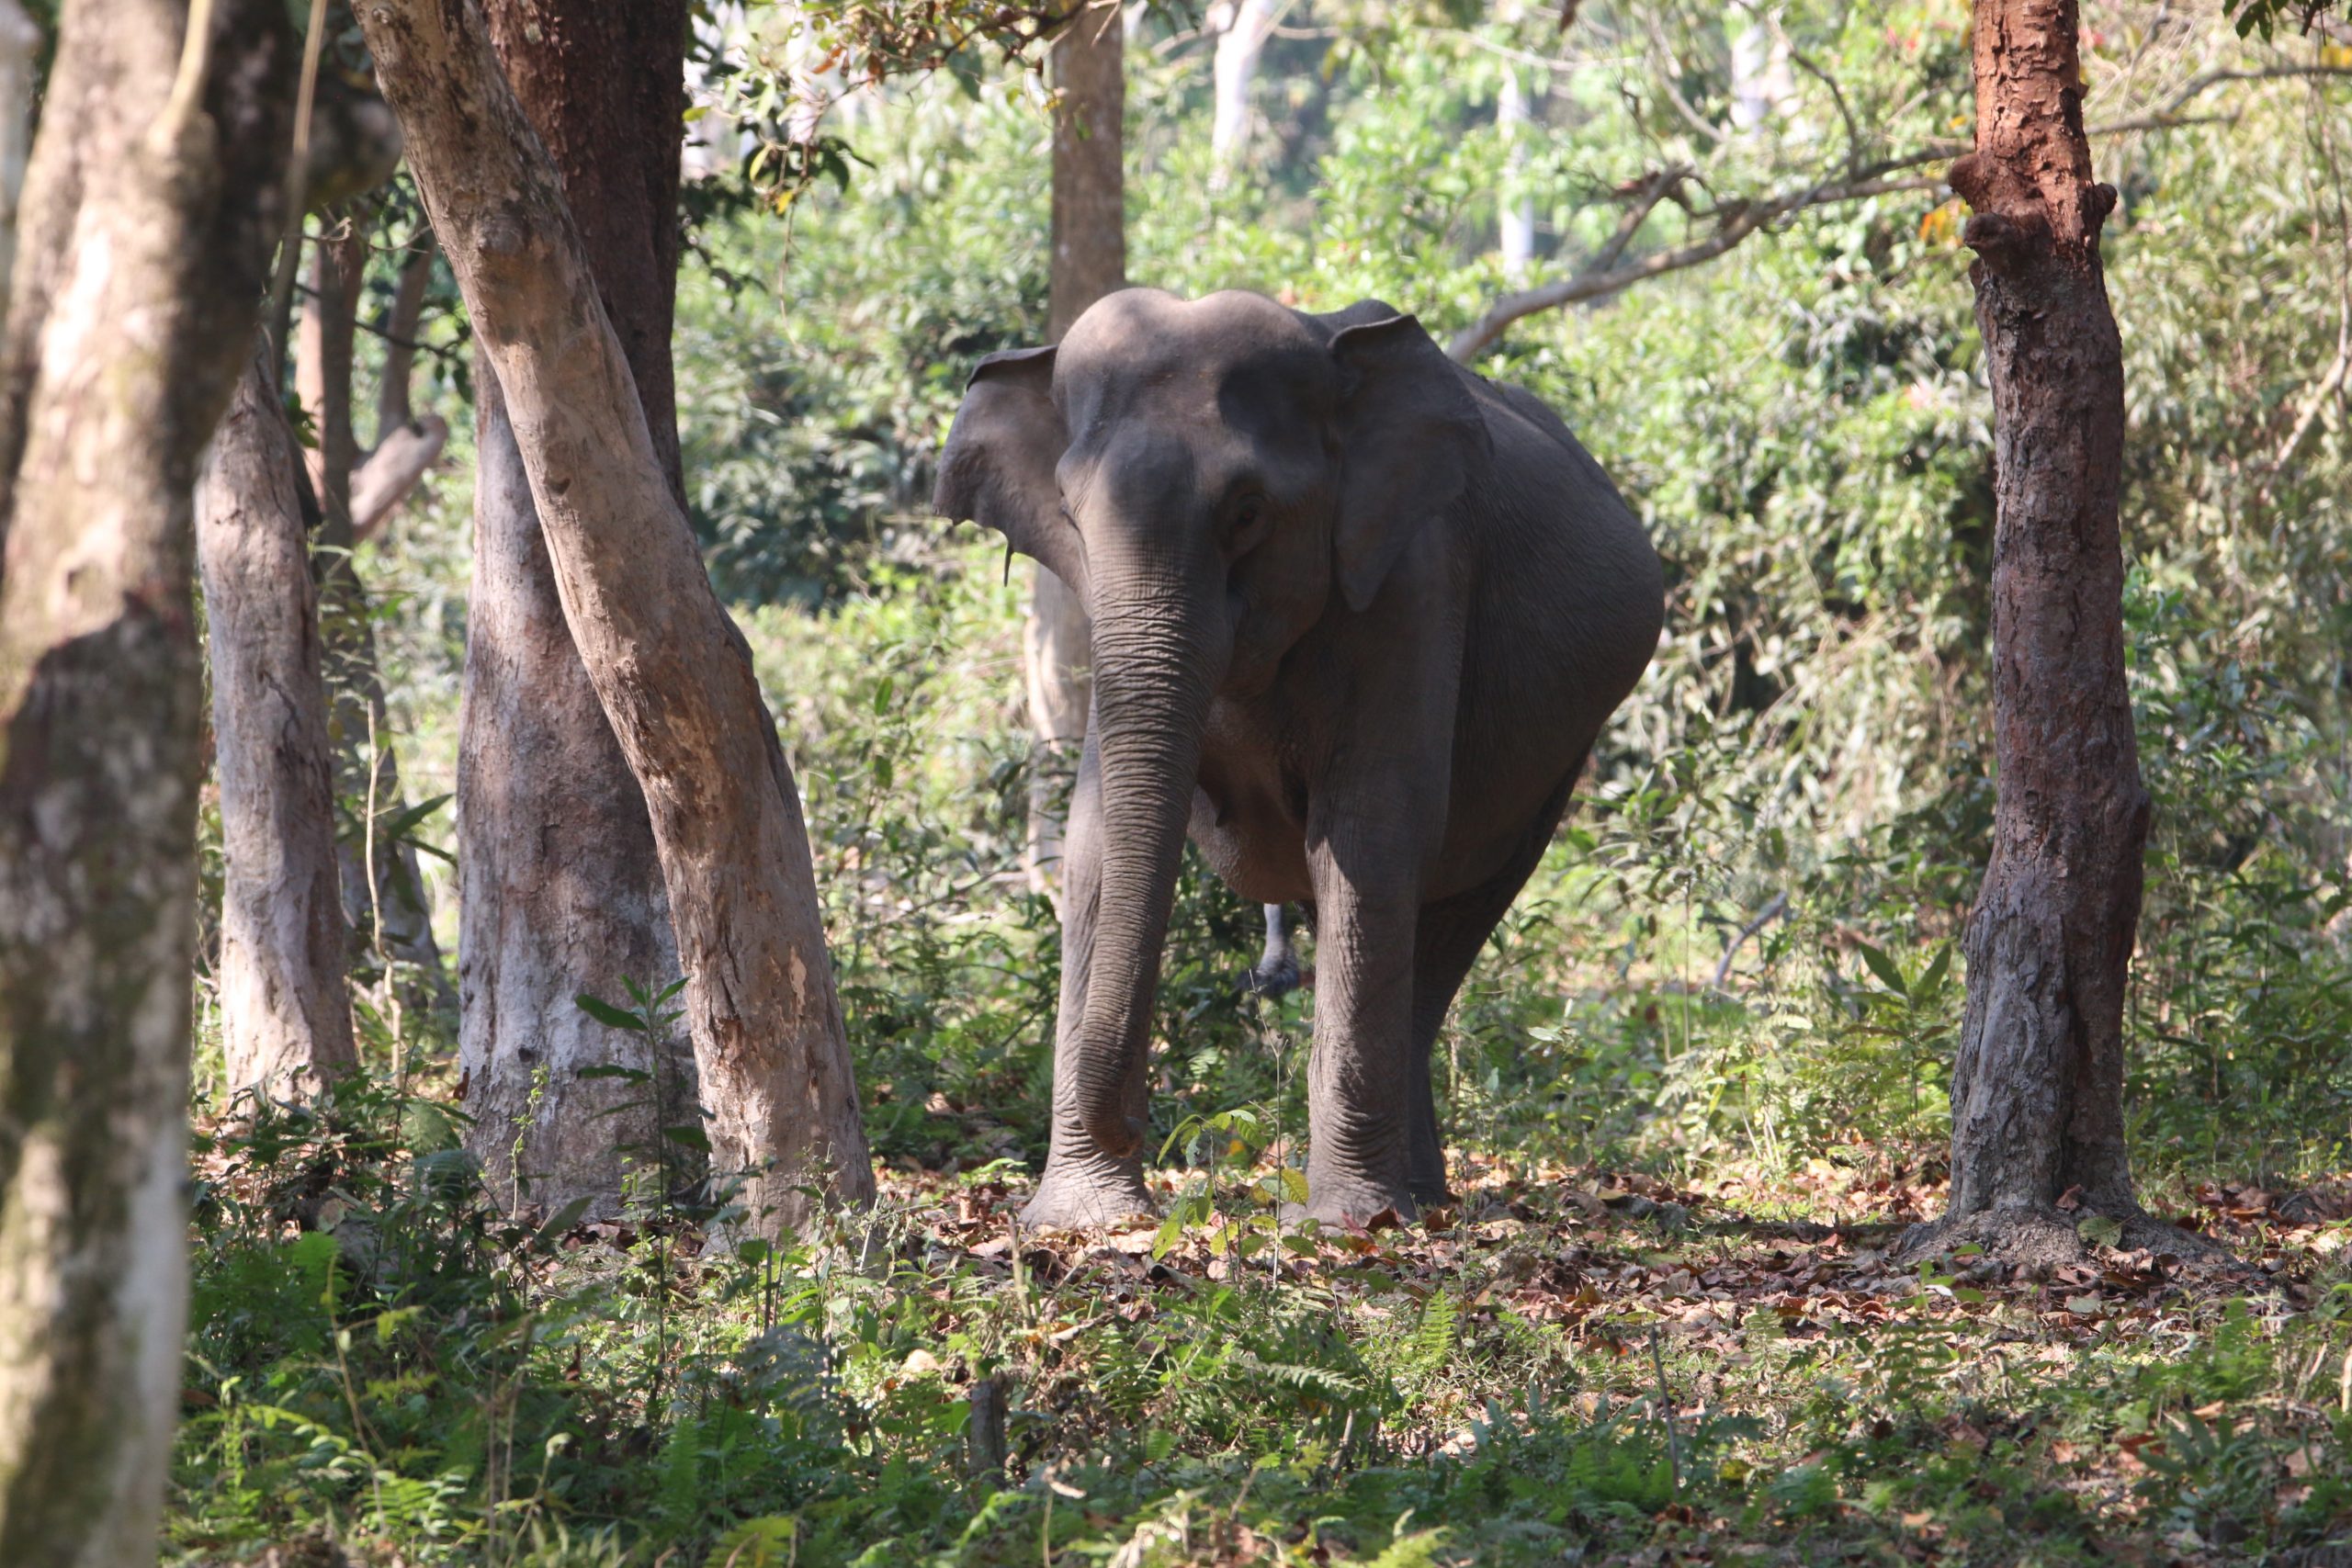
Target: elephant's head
[1207,476]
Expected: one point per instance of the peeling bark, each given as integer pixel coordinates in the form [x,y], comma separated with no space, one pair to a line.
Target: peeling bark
[286,1018]
[673,674]
[1089,260]
[136,306]
[2038,1083]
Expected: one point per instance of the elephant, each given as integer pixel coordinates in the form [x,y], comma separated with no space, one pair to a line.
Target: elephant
[1358,616]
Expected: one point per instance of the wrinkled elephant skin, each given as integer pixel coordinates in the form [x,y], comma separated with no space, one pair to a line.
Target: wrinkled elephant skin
[1358,616]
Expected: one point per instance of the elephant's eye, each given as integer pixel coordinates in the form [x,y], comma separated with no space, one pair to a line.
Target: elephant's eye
[1249,526]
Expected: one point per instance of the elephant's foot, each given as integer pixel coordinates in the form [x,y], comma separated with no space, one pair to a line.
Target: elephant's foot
[1082,1200]
[1425,1179]
[1352,1202]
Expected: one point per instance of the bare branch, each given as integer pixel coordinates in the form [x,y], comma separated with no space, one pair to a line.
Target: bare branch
[1603,276]
[1599,281]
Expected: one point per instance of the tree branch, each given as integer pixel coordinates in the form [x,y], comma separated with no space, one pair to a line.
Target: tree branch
[1603,274]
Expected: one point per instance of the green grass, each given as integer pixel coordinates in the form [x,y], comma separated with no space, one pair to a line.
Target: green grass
[1572,1364]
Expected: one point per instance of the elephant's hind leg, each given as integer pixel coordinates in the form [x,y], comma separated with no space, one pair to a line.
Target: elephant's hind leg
[1277,973]
[1446,945]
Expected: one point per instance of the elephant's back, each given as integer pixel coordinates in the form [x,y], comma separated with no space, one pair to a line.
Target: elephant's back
[1563,561]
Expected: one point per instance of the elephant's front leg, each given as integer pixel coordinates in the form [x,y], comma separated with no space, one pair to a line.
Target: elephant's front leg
[1360,1105]
[1083,1185]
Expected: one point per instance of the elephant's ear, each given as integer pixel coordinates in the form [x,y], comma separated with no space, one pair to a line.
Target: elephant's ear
[1411,437]
[998,470]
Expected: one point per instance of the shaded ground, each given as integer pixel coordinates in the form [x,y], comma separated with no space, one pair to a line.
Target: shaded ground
[1566,1366]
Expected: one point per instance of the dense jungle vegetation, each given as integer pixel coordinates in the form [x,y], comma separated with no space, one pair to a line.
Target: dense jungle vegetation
[1696,1087]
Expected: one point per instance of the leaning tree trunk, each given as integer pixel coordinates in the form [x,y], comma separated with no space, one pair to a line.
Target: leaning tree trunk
[149,213]
[1089,260]
[671,671]
[560,886]
[284,1016]
[2038,1086]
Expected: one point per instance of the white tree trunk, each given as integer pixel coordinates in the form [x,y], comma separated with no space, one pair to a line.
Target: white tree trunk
[1518,210]
[286,1018]
[149,217]
[671,671]
[1761,76]
[1242,27]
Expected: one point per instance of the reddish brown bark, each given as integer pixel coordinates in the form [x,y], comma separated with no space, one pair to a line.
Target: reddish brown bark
[2038,1085]
[1089,260]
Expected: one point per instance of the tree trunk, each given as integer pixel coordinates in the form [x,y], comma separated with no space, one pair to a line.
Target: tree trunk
[387,908]
[19,55]
[1242,27]
[401,324]
[150,212]
[1517,208]
[286,1018]
[2038,1083]
[1090,260]
[671,671]
[559,882]
[324,355]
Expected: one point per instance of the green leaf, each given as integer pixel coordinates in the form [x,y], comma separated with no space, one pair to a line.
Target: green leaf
[2102,1230]
[1880,964]
[402,824]
[615,1070]
[1931,984]
[607,1013]
[562,1220]
[688,1135]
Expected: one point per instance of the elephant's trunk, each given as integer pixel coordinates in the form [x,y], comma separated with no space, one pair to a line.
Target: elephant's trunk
[1159,648]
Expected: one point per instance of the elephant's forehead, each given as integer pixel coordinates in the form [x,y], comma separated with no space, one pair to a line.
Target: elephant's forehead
[1144,341]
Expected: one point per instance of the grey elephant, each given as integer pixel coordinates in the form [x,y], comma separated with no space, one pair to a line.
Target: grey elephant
[1358,616]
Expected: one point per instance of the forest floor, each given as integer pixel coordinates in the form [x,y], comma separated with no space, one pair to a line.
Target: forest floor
[1735,1374]
[1566,1365]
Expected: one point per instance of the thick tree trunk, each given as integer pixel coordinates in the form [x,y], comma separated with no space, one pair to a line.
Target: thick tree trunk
[561,885]
[672,673]
[285,1019]
[1090,260]
[149,218]
[2038,1086]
